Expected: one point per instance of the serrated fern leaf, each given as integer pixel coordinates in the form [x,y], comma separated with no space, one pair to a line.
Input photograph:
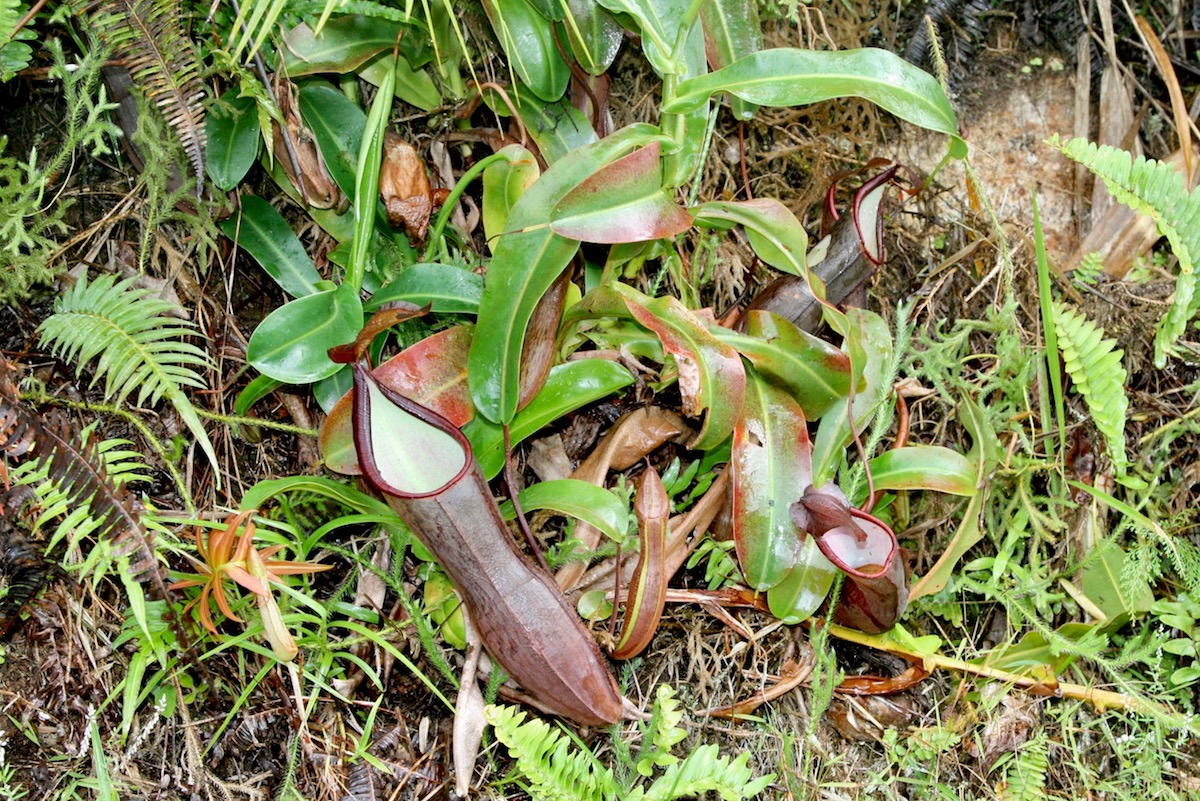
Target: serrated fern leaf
[1155,189]
[555,769]
[1026,777]
[148,35]
[1094,364]
[136,345]
[705,770]
[14,53]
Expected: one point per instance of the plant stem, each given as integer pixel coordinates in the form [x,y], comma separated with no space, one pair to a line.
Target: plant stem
[143,429]
[1101,699]
[439,225]
[238,420]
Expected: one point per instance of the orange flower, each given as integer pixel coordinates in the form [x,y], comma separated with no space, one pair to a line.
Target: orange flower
[228,553]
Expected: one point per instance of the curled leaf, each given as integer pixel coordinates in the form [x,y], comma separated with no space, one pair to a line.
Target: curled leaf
[648,590]
[711,375]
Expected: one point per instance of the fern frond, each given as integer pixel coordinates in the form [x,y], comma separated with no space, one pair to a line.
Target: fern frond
[149,35]
[22,566]
[1094,364]
[73,484]
[556,771]
[665,732]
[1155,189]
[14,53]
[706,770]
[137,345]
[1026,777]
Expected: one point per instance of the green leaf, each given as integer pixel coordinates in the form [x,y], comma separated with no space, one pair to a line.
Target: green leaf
[266,236]
[524,265]
[712,378]
[291,344]
[1156,189]
[582,500]
[986,448]
[338,126]
[550,9]
[137,343]
[15,55]
[556,128]
[344,44]
[366,185]
[658,21]
[446,288]
[504,182]
[775,234]
[813,371]
[771,466]
[555,769]
[965,537]
[1035,653]
[731,31]
[527,38]
[792,77]
[256,390]
[924,467]
[867,334]
[594,34]
[621,202]
[1103,583]
[233,137]
[568,387]
[416,87]
[800,593]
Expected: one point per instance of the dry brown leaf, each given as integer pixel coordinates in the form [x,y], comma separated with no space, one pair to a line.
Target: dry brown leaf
[313,182]
[404,187]
[631,438]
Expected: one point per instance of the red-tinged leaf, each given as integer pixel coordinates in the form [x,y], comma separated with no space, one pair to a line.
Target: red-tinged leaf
[924,467]
[524,265]
[648,589]
[432,372]
[813,371]
[771,466]
[862,547]
[409,454]
[392,314]
[539,352]
[711,375]
[621,202]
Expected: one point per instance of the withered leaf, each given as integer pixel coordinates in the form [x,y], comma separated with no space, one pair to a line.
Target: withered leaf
[404,187]
[314,182]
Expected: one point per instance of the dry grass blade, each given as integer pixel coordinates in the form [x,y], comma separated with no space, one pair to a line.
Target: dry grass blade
[149,35]
[1178,106]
